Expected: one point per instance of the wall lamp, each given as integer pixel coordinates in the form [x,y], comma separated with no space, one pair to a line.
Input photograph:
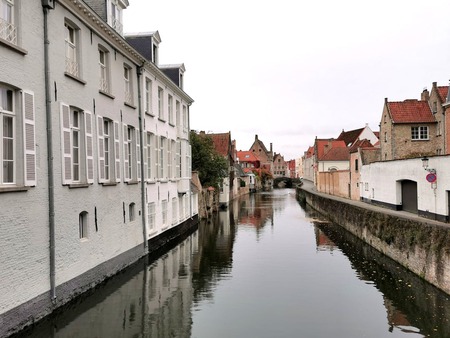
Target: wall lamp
[425,165]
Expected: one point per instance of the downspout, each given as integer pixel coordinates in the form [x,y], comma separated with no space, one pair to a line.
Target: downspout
[51,192]
[139,71]
[190,179]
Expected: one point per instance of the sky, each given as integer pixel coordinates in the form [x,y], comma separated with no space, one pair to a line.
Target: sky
[293,70]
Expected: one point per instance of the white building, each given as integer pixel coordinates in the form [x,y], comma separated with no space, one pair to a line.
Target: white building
[406,185]
[94,148]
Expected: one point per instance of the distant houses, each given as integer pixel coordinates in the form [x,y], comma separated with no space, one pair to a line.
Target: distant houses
[402,166]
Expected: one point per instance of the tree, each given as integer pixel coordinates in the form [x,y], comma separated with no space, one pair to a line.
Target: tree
[210,165]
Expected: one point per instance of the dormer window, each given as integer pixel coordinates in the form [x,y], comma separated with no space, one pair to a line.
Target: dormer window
[155,54]
[115,9]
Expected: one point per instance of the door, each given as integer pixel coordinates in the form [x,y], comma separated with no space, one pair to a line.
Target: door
[409,196]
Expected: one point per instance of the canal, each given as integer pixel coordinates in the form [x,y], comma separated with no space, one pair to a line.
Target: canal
[267,267]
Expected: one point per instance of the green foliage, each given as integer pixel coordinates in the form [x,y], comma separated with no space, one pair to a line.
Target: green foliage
[210,165]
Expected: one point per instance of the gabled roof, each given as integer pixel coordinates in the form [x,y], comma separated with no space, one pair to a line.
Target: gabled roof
[360,144]
[410,111]
[309,152]
[349,137]
[336,154]
[323,146]
[222,143]
[247,156]
[442,92]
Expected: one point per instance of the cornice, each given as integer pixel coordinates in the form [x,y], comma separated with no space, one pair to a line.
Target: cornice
[91,19]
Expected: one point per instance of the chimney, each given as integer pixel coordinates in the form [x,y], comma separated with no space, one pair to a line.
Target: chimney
[270,147]
[256,137]
[425,96]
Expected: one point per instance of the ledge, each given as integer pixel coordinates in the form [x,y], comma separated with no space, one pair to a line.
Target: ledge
[76,78]
[132,182]
[13,47]
[109,184]
[107,94]
[13,189]
[130,105]
[78,185]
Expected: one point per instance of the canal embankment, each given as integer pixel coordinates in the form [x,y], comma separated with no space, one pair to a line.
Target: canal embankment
[421,245]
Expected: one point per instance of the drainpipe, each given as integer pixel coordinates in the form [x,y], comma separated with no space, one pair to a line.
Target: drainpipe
[139,71]
[47,5]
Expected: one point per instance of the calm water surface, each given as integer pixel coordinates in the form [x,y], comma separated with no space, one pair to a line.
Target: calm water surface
[267,267]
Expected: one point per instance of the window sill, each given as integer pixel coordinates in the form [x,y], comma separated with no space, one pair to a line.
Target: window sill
[76,78]
[13,189]
[13,47]
[164,181]
[161,119]
[107,94]
[149,114]
[133,182]
[109,184]
[130,105]
[78,185]
[151,181]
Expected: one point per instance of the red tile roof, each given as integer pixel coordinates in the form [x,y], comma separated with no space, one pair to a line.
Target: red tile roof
[247,156]
[350,136]
[442,91]
[222,143]
[410,111]
[360,144]
[336,154]
[324,145]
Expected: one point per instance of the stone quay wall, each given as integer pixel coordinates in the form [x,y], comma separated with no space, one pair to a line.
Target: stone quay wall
[421,246]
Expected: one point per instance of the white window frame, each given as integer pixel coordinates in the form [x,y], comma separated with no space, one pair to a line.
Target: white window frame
[161,103]
[164,213]
[71,37]
[174,211]
[162,158]
[104,83]
[151,216]
[170,108]
[150,156]
[148,96]
[128,84]
[115,20]
[108,143]
[69,130]
[420,133]
[18,148]
[8,29]
[185,119]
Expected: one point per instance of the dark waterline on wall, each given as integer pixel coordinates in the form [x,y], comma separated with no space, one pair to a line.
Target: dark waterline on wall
[266,267]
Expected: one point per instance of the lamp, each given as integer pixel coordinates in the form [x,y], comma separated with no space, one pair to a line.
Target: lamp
[425,165]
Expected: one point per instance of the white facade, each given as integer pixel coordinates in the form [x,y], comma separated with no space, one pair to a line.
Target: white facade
[382,182]
[105,204]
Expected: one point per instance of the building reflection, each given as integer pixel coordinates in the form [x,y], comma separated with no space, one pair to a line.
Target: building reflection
[406,307]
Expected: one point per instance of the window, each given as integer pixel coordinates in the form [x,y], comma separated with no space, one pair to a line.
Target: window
[164,212]
[150,154]
[115,16]
[174,211]
[385,137]
[185,119]
[177,113]
[170,108]
[148,96]
[8,30]
[419,133]
[162,158]
[17,154]
[356,165]
[160,103]
[108,150]
[439,128]
[83,224]
[103,62]
[128,85]
[151,216]
[130,153]
[77,145]
[131,211]
[71,39]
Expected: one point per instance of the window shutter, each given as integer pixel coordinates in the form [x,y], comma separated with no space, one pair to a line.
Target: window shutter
[29,141]
[169,158]
[117,150]
[177,160]
[66,145]
[89,147]
[138,154]
[101,150]
[157,158]
[144,151]
[126,173]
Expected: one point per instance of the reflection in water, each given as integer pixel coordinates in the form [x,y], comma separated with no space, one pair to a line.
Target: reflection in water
[301,277]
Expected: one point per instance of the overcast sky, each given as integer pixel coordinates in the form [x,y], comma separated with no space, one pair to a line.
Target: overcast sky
[291,70]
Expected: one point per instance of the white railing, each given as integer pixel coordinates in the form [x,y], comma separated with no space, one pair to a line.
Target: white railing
[8,32]
[104,85]
[117,25]
[71,67]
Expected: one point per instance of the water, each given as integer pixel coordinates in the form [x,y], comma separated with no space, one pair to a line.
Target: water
[267,267]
